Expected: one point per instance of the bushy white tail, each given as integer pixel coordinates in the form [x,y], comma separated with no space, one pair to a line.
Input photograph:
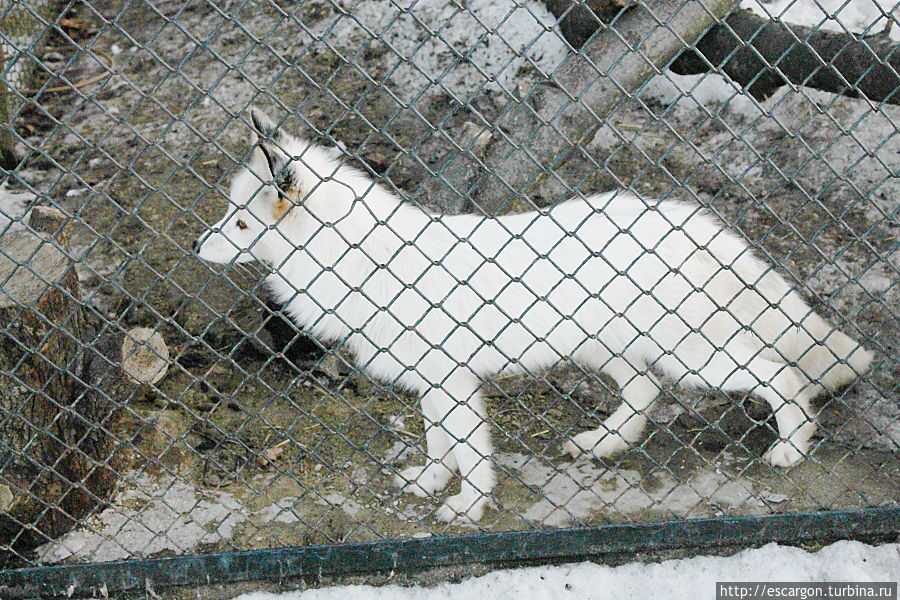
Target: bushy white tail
[824,355]
[781,319]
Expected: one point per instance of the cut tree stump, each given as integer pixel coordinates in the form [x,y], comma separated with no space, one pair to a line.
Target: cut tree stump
[55,444]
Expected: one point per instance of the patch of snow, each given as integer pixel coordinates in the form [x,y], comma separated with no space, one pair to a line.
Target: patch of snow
[170,515]
[580,489]
[349,506]
[686,92]
[401,451]
[280,512]
[153,514]
[396,422]
[680,579]
[864,16]
[14,208]
[459,48]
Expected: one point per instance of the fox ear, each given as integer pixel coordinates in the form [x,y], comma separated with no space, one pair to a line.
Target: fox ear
[270,161]
[263,125]
[266,130]
[269,132]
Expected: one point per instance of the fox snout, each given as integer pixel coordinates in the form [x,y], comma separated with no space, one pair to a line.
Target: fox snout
[207,249]
[198,243]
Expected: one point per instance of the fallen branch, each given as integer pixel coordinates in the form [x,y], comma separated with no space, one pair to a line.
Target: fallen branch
[110,70]
[763,54]
[555,119]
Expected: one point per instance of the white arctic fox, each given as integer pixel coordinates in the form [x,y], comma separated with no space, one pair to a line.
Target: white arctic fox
[613,282]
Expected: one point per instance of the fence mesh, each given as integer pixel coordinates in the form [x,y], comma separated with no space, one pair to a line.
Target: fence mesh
[153,404]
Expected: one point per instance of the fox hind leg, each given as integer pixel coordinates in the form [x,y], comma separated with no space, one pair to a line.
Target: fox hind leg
[793,414]
[742,369]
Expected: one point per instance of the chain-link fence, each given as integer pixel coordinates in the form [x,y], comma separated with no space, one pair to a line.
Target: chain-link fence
[160,402]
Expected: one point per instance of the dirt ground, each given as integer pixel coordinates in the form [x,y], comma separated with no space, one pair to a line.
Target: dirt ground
[236,448]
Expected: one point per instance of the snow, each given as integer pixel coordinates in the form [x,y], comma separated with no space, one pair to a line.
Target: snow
[689,578]
[14,208]
[571,493]
[455,47]
[857,16]
[163,513]
[169,514]
[153,514]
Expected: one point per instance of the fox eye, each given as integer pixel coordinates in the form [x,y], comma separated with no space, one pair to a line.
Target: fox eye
[241,225]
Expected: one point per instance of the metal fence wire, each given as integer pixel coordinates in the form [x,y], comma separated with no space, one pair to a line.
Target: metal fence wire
[160,402]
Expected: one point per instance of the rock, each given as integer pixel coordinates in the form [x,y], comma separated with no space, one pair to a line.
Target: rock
[475,137]
[145,356]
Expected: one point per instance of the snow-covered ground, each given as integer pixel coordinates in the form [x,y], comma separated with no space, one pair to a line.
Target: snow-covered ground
[853,16]
[14,206]
[689,578]
[456,47]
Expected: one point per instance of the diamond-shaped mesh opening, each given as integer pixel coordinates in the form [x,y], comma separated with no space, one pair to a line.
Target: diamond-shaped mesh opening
[658,348]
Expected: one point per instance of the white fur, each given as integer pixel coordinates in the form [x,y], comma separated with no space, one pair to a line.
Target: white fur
[614,282]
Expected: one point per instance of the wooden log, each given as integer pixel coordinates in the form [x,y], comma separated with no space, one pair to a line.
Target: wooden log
[554,121]
[55,444]
[764,54]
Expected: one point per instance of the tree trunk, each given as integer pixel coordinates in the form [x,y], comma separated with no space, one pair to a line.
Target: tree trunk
[763,54]
[54,442]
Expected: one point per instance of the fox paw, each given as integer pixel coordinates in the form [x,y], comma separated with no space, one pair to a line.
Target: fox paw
[596,443]
[785,453]
[422,481]
[462,509]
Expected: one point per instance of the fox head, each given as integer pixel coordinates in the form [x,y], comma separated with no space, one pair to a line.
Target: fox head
[282,173]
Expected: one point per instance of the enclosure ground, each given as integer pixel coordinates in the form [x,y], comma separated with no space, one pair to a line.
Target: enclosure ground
[237,448]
